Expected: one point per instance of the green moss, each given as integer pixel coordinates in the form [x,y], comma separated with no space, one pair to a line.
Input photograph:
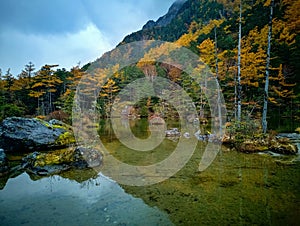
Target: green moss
[58,127]
[65,127]
[50,126]
[65,139]
[54,158]
[44,123]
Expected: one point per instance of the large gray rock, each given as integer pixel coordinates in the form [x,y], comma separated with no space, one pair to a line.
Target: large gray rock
[27,134]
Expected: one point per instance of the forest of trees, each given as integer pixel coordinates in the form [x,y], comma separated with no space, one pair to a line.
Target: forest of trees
[251,46]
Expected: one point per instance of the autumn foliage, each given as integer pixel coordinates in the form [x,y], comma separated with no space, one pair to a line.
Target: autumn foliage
[209,29]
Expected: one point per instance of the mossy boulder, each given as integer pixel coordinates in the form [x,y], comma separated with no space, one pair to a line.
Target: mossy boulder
[65,156]
[61,160]
[288,149]
[280,145]
[249,146]
[31,134]
[285,143]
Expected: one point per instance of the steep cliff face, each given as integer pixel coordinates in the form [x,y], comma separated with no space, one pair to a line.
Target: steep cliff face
[166,19]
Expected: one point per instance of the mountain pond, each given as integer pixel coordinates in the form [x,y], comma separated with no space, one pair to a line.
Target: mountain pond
[236,189]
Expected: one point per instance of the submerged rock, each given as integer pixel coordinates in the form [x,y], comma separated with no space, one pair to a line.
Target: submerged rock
[27,134]
[87,157]
[61,160]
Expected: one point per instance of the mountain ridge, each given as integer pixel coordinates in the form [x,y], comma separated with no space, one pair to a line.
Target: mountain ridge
[167,18]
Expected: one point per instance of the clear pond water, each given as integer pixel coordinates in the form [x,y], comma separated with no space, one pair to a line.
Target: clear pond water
[236,189]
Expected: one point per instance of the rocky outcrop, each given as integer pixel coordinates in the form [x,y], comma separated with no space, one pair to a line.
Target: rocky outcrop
[55,162]
[31,134]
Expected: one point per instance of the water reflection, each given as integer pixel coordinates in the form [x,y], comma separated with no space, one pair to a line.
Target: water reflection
[59,201]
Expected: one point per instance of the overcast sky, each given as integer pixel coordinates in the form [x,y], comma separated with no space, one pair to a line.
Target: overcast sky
[66,32]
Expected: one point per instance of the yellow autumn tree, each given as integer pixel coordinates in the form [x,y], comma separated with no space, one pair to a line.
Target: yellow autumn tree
[43,86]
[207,52]
[292,14]
[67,97]
[282,91]
[107,94]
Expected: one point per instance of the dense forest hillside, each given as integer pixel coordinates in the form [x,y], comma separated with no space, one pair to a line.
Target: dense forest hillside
[244,45]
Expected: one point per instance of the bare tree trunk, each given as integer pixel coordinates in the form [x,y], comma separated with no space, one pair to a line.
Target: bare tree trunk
[266,92]
[216,52]
[50,103]
[235,97]
[202,98]
[217,83]
[239,86]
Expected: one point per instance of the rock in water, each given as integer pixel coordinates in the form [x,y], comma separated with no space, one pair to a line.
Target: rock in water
[87,157]
[3,163]
[172,132]
[27,134]
[57,161]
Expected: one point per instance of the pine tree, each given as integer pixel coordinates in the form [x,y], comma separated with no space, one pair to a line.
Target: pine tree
[28,72]
[2,98]
[8,80]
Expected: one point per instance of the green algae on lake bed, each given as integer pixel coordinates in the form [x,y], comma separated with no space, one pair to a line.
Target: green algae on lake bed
[237,189]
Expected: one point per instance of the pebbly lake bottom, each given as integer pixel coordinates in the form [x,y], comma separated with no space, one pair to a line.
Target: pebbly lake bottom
[236,189]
